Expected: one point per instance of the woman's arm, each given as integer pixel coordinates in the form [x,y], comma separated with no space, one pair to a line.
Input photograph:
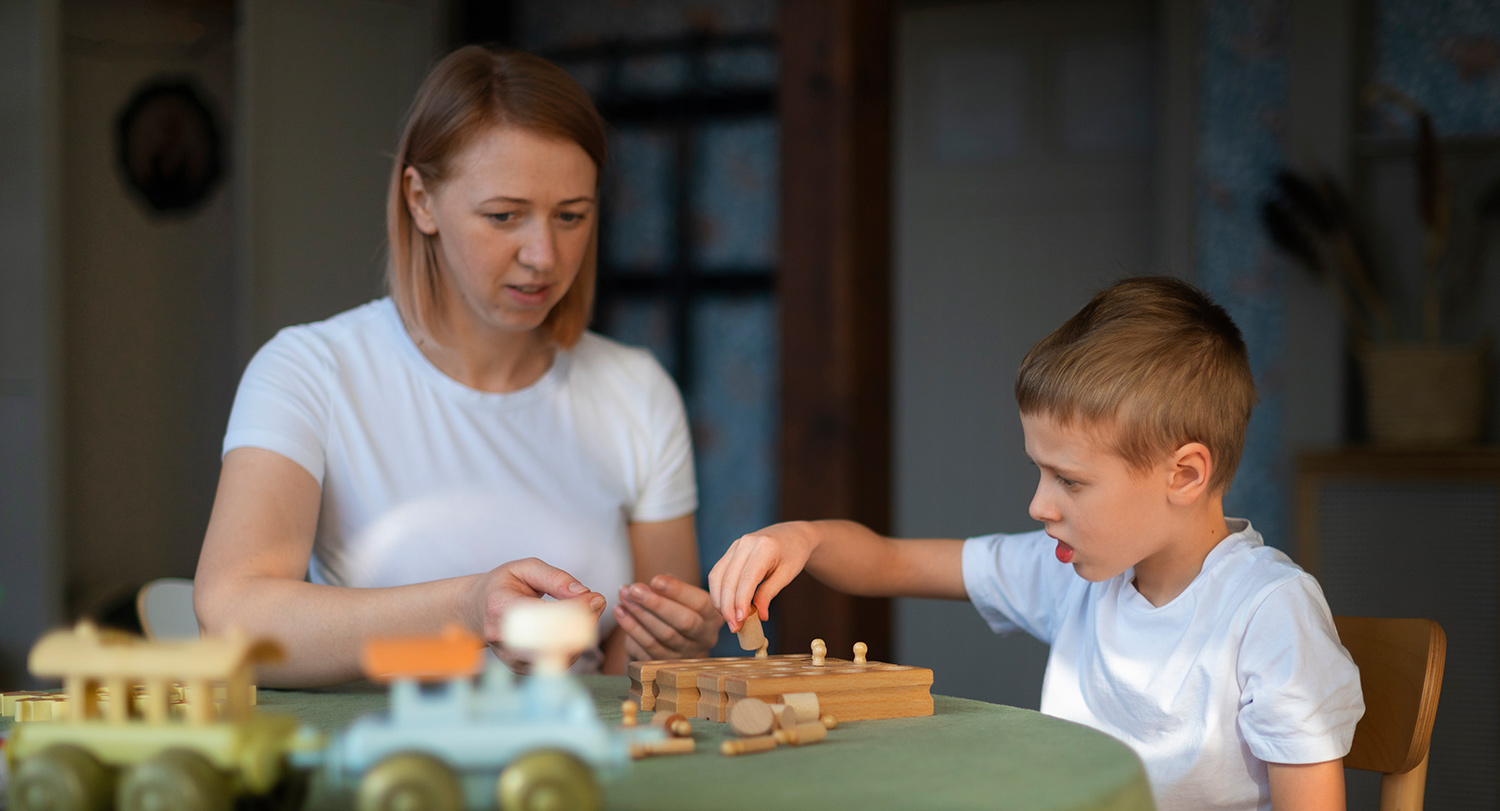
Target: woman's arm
[664,614]
[1307,786]
[255,554]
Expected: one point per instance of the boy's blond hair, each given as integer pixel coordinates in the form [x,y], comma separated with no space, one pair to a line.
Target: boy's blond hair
[1157,361]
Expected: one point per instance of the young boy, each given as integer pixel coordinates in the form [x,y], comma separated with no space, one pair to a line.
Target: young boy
[1172,627]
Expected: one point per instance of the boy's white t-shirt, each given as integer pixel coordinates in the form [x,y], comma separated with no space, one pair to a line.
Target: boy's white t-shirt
[1243,668]
[424,478]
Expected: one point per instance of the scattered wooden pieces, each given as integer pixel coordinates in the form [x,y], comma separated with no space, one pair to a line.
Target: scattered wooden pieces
[752,637]
[783,716]
[742,746]
[802,734]
[628,713]
[804,705]
[670,746]
[675,723]
[828,721]
[750,716]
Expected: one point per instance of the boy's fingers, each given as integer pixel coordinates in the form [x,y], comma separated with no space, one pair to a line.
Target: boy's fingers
[750,579]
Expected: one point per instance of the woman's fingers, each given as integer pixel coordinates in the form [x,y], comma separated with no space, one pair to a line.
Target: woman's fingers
[649,645]
[543,578]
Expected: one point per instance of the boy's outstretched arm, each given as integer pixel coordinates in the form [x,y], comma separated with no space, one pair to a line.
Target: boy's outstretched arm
[844,555]
[1307,786]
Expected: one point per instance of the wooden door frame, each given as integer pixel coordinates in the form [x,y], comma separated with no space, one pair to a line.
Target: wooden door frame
[833,291]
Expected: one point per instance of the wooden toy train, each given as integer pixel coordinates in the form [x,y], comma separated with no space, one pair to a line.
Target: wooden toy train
[172,726]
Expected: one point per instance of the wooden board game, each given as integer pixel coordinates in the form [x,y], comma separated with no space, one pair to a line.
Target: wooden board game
[849,690]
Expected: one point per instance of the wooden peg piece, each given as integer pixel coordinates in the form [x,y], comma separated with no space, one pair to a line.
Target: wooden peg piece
[742,746]
[828,721]
[782,716]
[819,651]
[802,734]
[752,636]
[628,711]
[805,705]
[750,716]
[671,746]
[675,723]
[860,649]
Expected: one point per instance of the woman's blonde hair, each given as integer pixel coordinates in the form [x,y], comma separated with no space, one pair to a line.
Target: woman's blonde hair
[471,91]
[1159,362]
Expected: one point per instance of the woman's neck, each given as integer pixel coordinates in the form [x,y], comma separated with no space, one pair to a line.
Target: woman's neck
[486,360]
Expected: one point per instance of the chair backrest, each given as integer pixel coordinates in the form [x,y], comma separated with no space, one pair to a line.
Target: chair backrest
[1401,672]
[165,608]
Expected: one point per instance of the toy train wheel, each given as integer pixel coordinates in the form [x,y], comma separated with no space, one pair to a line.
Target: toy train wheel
[549,780]
[175,780]
[410,781]
[61,776]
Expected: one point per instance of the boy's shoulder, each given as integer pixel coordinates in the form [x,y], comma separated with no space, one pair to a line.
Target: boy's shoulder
[1247,578]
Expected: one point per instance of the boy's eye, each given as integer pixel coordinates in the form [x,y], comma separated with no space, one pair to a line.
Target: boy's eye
[1066,482]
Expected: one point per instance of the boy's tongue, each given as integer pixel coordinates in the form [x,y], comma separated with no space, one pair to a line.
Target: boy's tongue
[1064,552]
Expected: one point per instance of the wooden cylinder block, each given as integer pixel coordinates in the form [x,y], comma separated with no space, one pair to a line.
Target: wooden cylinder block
[804,704]
[783,717]
[802,734]
[750,716]
[741,746]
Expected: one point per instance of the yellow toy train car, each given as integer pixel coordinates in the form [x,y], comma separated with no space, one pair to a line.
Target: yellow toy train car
[133,752]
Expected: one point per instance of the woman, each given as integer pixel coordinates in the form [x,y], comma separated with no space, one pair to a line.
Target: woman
[417,458]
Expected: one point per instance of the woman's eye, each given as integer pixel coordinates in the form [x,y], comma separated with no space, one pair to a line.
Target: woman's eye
[504,216]
[571,216]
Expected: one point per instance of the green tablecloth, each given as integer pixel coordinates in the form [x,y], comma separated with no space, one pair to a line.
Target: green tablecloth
[968,755]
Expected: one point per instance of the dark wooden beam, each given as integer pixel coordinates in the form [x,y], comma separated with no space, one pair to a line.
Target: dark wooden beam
[833,291]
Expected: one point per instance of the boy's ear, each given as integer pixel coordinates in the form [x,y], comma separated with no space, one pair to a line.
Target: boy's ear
[418,201]
[1192,466]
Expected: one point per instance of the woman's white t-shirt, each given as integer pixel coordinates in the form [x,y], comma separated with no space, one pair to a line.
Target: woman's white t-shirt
[424,478]
[1242,668]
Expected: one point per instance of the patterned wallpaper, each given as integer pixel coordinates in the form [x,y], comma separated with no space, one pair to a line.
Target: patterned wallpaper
[1242,106]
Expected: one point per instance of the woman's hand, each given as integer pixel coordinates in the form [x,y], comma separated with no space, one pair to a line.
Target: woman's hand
[520,581]
[758,566]
[668,619]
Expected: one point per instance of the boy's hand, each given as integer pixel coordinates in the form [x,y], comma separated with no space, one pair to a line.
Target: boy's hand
[757,567]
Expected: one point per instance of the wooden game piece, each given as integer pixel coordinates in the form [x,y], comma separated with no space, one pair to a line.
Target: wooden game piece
[782,716]
[627,713]
[749,717]
[671,746]
[752,637]
[828,721]
[675,723]
[742,746]
[802,734]
[860,649]
[805,705]
[819,652]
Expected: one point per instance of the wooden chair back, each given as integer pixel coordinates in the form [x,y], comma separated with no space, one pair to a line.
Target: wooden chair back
[1401,672]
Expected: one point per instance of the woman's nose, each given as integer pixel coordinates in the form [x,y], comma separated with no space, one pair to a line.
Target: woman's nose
[539,251]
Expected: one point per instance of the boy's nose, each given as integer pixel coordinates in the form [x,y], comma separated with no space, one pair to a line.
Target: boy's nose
[1041,508]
